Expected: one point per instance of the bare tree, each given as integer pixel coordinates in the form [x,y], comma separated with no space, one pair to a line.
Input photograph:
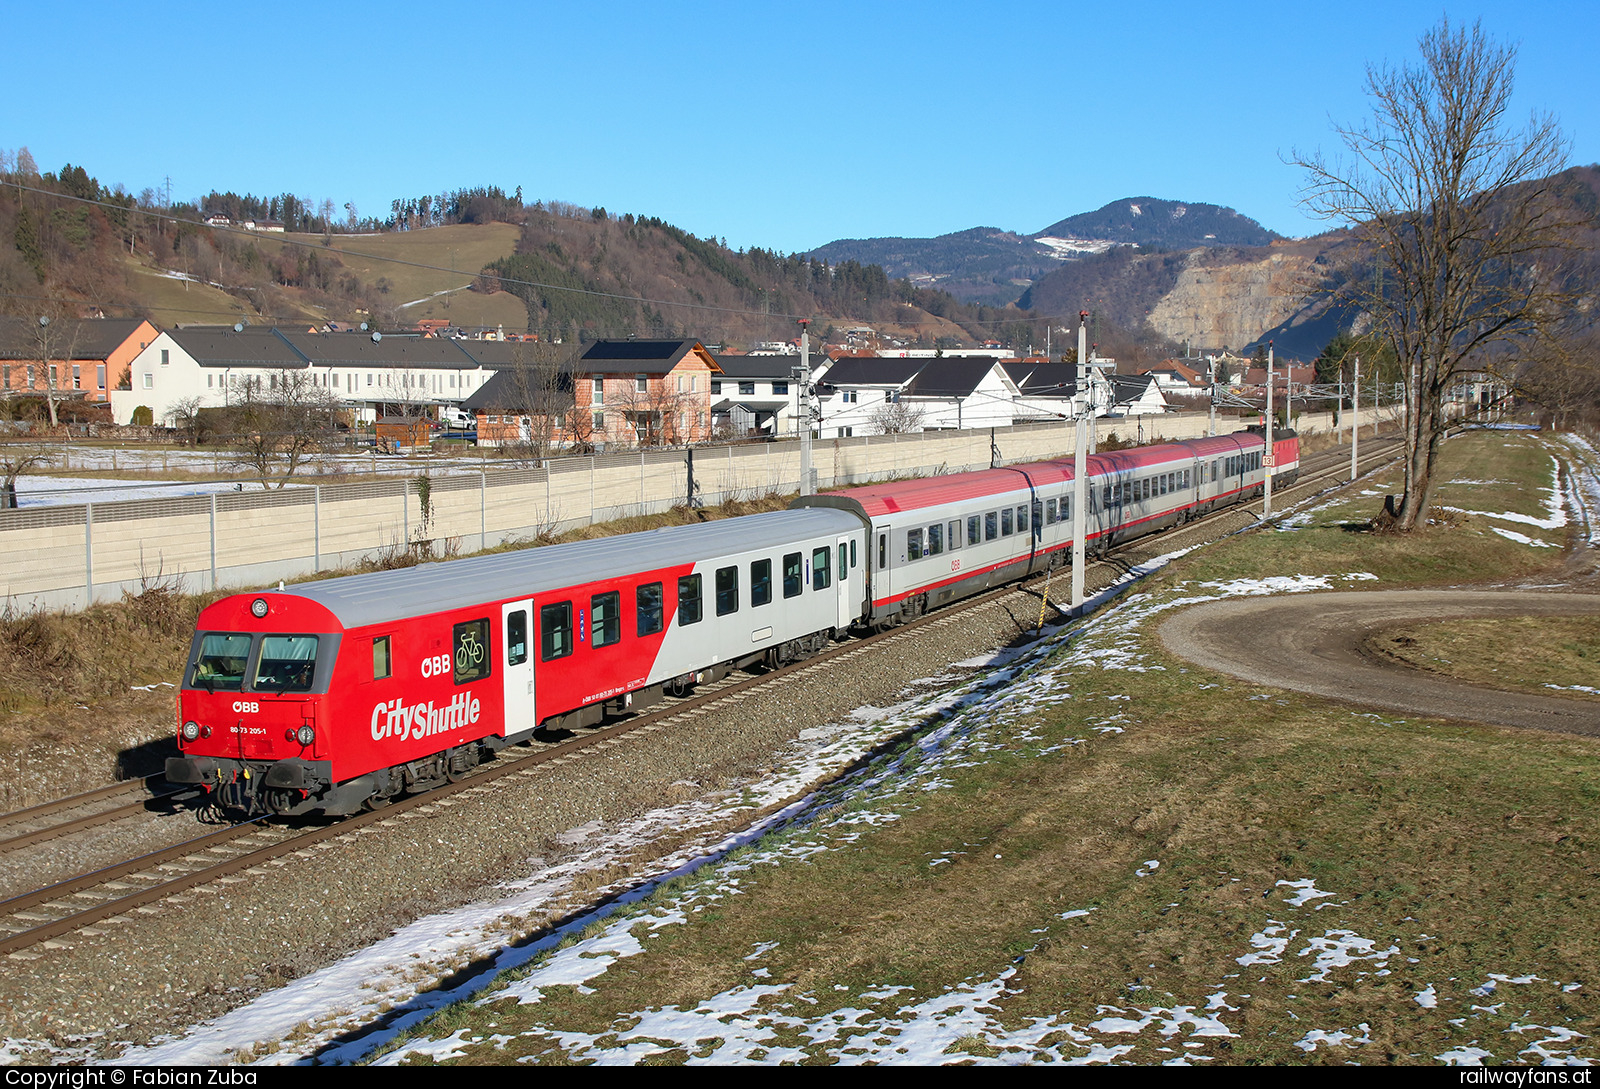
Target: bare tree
[15,461]
[55,337]
[896,418]
[283,423]
[1459,212]
[658,413]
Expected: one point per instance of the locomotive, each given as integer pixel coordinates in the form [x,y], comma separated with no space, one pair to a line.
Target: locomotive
[345,693]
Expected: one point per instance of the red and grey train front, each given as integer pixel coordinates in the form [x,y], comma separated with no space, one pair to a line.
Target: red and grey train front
[253,709]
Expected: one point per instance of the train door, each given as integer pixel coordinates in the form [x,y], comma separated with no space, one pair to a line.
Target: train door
[845,614]
[516,666]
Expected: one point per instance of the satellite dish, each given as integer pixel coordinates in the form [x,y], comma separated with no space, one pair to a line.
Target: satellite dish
[376,337]
[363,327]
[238,327]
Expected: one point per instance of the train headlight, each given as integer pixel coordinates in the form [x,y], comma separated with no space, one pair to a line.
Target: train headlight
[305,735]
[191,731]
[258,608]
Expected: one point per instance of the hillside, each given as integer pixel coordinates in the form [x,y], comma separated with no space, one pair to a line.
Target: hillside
[1162,224]
[998,267]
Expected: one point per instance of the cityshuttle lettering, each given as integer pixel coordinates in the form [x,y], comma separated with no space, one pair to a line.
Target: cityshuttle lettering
[394,719]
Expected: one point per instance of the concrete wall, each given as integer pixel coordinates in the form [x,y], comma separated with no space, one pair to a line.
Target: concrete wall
[64,557]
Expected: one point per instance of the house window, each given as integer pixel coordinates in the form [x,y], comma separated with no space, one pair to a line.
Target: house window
[641,383]
[849,396]
[780,389]
[747,389]
[716,388]
[77,376]
[149,381]
[599,420]
[166,357]
[599,391]
[209,377]
[846,432]
[694,383]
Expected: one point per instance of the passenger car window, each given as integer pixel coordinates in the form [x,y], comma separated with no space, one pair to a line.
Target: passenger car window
[689,606]
[555,631]
[820,578]
[935,540]
[794,577]
[471,643]
[760,582]
[605,611]
[972,530]
[516,637]
[913,544]
[991,526]
[647,609]
[727,590]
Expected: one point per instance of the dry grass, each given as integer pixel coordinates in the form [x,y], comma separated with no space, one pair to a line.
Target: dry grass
[1469,849]
[1528,654]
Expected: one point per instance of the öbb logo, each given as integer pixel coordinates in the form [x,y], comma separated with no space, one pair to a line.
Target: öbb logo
[246,707]
[437,666]
[394,719]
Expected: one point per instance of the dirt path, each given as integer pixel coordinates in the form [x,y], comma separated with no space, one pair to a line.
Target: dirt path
[1313,643]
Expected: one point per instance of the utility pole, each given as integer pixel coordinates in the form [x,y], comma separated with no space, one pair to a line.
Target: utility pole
[806,487]
[1355,417]
[1080,472]
[1267,458]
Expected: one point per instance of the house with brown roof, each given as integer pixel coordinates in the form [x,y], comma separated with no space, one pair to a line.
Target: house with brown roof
[88,358]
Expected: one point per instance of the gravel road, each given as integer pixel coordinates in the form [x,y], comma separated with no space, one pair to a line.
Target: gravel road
[1313,643]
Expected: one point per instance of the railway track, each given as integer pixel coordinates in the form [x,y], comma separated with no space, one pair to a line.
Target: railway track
[83,903]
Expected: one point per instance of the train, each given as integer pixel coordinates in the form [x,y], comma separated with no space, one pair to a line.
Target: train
[346,693]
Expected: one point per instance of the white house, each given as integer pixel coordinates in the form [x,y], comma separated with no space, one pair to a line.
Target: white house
[211,368]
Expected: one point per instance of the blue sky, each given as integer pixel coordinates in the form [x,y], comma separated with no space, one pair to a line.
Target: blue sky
[779,125]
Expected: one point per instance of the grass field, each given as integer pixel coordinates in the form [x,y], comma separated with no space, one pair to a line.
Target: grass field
[417,265]
[1094,852]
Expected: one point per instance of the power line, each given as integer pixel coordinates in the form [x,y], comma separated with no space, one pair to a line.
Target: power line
[288,241]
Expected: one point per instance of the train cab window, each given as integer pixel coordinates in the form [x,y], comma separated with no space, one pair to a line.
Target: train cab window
[555,631]
[727,590]
[288,663]
[1007,525]
[1050,512]
[935,540]
[991,526]
[1022,519]
[382,658]
[220,666]
[516,638]
[794,576]
[760,583]
[913,545]
[955,535]
[647,610]
[820,576]
[606,613]
[689,607]
[471,643]
[973,534]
